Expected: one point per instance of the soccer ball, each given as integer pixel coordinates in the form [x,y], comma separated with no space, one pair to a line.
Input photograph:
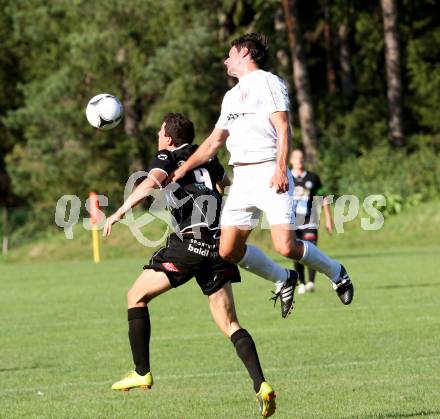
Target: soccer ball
[104,111]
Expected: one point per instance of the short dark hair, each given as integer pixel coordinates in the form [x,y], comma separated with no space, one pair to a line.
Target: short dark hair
[256,43]
[179,128]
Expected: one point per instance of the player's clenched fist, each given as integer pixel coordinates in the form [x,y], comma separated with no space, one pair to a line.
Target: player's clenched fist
[279,181]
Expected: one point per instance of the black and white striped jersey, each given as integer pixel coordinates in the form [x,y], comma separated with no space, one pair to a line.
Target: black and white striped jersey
[194,201]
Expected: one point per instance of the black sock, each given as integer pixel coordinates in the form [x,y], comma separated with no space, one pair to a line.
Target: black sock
[312,272]
[299,267]
[246,350]
[139,331]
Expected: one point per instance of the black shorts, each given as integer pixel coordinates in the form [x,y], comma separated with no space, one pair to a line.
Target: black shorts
[309,234]
[183,259]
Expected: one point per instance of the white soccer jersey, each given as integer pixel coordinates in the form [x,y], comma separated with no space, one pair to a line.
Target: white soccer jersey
[245,114]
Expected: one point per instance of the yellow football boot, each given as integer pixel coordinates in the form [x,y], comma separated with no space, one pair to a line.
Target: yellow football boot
[266,400]
[134,380]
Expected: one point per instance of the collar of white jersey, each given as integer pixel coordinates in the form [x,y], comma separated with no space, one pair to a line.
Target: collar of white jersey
[250,76]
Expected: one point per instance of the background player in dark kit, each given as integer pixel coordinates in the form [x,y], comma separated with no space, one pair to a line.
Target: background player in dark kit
[192,250]
[307,186]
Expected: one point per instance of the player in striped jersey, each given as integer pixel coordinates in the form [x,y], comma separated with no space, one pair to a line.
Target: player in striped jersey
[191,251]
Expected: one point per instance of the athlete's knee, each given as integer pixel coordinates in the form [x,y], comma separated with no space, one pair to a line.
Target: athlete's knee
[298,249]
[134,300]
[233,245]
[228,255]
[285,251]
[231,253]
[290,249]
[284,248]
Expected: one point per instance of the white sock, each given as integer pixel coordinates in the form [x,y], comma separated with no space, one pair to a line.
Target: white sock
[255,261]
[315,259]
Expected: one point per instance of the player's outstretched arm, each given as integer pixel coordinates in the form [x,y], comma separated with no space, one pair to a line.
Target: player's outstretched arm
[154,180]
[204,152]
[279,180]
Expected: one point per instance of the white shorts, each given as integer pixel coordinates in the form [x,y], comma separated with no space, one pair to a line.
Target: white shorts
[250,194]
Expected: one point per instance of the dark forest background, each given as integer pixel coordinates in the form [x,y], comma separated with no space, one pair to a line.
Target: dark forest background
[365,92]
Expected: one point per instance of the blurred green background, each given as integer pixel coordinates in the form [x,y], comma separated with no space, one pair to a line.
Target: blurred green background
[167,56]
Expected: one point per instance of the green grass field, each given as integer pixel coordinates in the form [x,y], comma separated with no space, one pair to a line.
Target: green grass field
[64,333]
[64,341]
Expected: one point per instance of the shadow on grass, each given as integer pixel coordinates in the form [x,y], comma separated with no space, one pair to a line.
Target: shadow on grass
[393,253]
[33,367]
[436,284]
[404,415]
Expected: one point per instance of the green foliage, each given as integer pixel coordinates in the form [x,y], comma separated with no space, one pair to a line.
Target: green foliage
[424,69]
[404,179]
[368,58]
[167,56]
[74,55]
[176,73]
[9,99]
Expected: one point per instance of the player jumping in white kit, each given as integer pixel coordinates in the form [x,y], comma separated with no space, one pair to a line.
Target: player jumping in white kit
[254,125]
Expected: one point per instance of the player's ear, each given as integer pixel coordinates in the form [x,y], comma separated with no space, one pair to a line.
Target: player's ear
[244,51]
[170,141]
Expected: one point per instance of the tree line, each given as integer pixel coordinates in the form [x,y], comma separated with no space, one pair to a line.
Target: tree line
[364,80]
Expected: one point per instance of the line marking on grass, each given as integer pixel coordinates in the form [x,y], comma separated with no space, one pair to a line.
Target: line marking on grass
[218,373]
[64,324]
